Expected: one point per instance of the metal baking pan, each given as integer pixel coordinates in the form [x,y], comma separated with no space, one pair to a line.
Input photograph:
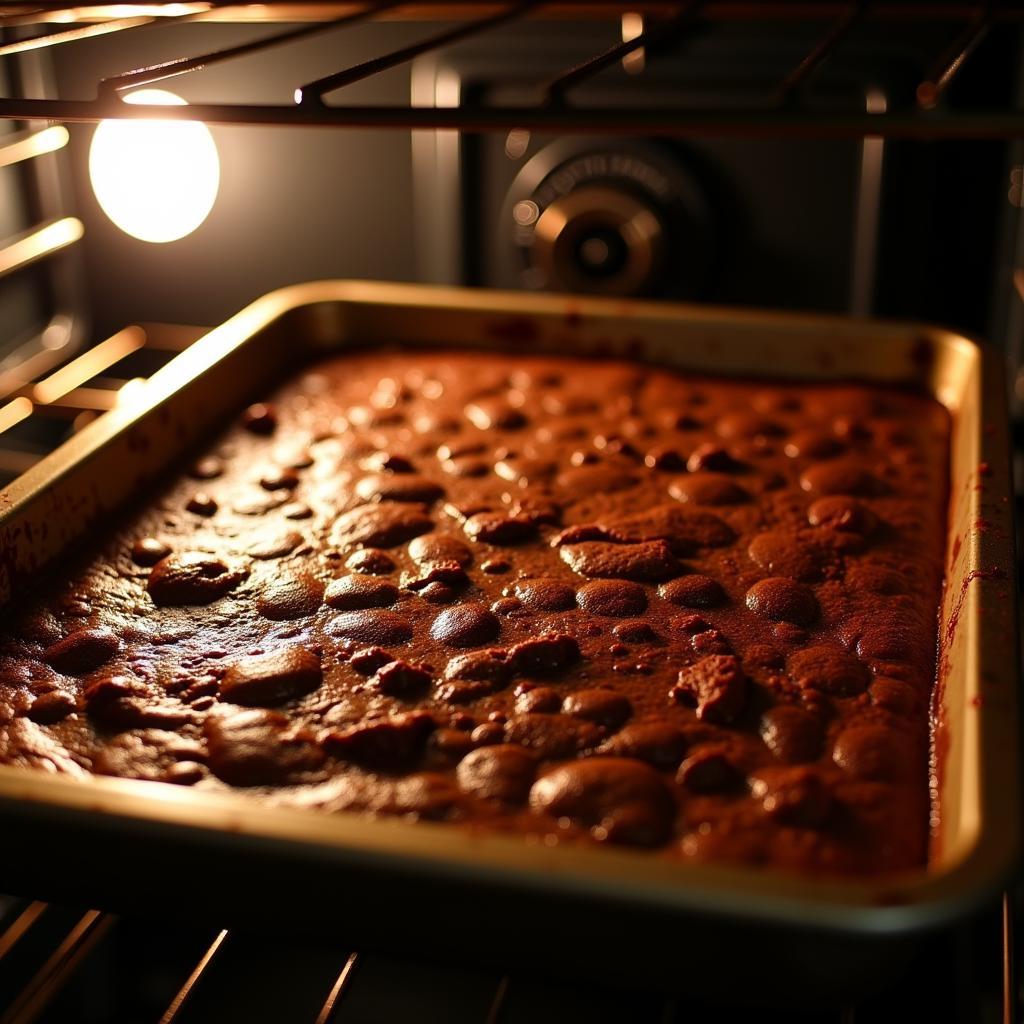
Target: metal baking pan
[125,844]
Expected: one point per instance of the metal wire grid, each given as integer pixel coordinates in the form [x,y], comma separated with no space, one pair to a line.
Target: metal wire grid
[782,112]
[32,175]
[42,403]
[55,961]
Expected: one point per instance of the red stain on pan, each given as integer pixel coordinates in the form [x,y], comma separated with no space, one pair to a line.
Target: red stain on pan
[957,545]
[953,622]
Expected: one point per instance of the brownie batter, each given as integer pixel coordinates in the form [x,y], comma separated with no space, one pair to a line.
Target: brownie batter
[580,601]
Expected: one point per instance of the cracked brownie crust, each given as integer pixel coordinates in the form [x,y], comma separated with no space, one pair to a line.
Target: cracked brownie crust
[584,601]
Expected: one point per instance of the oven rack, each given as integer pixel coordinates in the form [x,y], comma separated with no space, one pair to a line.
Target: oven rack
[782,112]
[62,965]
[49,396]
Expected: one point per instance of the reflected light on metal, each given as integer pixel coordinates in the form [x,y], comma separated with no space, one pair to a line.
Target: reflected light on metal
[71,35]
[110,12]
[40,243]
[89,364]
[132,393]
[14,412]
[517,143]
[57,332]
[28,146]
[150,10]
[632,27]
[82,420]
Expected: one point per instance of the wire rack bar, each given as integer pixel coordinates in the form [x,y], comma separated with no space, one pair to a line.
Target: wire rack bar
[497,1006]
[821,52]
[60,965]
[658,32]
[30,144]
[171,1014]
[39,17]
[14,411]
[73,35]
[930,91]
[184,65]
[89,364]
[18,379]
[337,990]
[759,120]
[754,122]
[313,92]
[20,926]
[39,243]
[1010,993]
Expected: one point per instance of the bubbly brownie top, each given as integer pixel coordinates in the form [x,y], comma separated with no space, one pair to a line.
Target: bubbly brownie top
[586,601]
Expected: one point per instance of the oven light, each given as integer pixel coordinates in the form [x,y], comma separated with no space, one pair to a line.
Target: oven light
[156,180]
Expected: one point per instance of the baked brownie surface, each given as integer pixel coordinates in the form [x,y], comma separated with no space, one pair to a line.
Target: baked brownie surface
[585,601]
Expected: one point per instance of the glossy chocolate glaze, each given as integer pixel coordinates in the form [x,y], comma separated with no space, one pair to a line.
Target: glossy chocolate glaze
[583,601]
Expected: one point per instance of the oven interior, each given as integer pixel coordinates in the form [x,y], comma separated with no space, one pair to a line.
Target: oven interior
[860,158]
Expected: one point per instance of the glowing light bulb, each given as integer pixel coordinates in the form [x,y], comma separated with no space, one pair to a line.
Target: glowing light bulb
[156,180]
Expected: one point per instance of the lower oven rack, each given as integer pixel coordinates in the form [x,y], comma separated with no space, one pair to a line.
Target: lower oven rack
[68,966]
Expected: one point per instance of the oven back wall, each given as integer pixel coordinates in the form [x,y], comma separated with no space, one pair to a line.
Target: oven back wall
[294,204]
[301,204]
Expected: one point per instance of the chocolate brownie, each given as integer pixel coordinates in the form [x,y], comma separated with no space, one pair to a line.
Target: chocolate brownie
[578,601]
